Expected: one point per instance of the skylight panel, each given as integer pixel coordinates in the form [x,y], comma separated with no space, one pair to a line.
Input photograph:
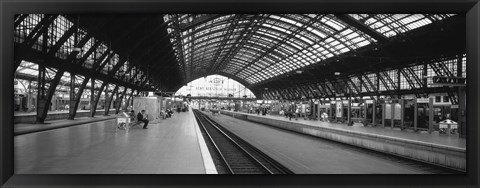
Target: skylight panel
[291,22]
[334,24]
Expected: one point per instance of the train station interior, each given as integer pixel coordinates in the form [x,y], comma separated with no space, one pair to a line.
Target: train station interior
[240,94]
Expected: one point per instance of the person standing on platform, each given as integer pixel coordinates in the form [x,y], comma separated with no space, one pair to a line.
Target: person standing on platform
[141,116]
[291,111]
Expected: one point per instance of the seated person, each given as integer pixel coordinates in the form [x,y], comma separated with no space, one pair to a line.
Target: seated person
[141,116]
[163,113]
[132,115]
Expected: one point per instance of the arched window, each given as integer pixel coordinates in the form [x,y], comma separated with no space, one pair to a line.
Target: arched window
[215,86]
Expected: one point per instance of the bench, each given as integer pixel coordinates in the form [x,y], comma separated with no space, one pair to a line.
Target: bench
[134,122]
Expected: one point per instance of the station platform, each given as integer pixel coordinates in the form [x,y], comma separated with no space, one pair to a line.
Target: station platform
[29,117]
[27,128]
[443,150]
[171,146]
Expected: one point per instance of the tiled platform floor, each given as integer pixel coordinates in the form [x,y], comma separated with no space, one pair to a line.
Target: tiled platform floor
[167,147]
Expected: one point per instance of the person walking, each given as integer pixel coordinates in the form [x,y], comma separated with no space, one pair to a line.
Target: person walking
[141,116]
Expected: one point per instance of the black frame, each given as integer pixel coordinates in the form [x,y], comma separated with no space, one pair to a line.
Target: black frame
[8,9]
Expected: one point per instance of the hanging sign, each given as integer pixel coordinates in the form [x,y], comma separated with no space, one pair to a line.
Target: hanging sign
[423,100]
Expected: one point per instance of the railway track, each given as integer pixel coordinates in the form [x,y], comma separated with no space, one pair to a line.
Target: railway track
[235,154]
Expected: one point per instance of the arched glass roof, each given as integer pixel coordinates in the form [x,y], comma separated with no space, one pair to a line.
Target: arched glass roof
[261,46]
[215,86]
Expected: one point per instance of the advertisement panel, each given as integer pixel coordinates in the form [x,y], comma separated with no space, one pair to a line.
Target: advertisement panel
[398,111]
[339,109]
[388,111]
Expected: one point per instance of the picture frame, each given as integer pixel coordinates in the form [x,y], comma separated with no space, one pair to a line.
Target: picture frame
[9,8]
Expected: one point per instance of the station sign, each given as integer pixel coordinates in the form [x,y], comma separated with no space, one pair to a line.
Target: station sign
[449,81]
[423,100]
[369,101]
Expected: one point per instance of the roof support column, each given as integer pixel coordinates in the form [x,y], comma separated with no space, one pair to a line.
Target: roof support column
[74,106]
[42,112]
[92,97]
[72,98]
[97,98]
[108,102]
[119,101]
[128,100]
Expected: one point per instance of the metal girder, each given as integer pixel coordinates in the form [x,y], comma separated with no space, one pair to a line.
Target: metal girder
[204,19]
[312,90]
[332,90]
[74,107]
[80,92]
[42,113]
[389,79]
[384,82]
[115,68]
[274,95]
[297,92]
[293,93]
[372,86]
[362,27]
[230,29]
[19,20]
[278,93]
[119,101]
[179,48]
[39,29]
[362,83]
[278,44]
[89,52]
[281,94]
[129,98]
[353,84]
[33,55]
[321,90]
[409,80]
[415,76]
[308,90]
[144,82]
[93,107]
[109,101]
[304,91]
[62,40]
[265,96]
